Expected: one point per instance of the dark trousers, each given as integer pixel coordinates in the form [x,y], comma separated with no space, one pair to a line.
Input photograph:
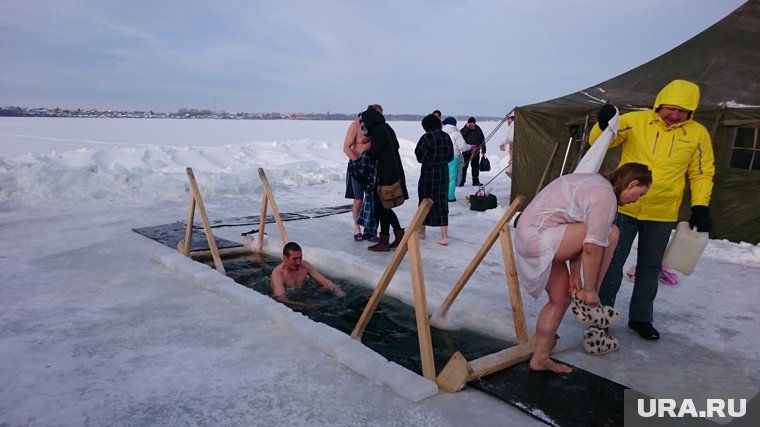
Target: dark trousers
[474,158]
[653,239]
[386,217]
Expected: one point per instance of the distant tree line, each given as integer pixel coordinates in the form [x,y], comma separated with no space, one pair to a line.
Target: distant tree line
[192,113]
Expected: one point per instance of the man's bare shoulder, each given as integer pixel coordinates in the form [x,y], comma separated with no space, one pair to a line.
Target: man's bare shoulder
[278,270]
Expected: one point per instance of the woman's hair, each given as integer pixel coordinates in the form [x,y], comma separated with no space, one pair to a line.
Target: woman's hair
[431,123]
[626,173]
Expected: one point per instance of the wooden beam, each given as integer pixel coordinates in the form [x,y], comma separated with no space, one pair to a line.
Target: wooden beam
[513,285]
[420,307]
[390,269]
[237,250]
[454,375]
[275,211]
[495,362]
[196,194]
[477,259]
[262,222]
[189,227]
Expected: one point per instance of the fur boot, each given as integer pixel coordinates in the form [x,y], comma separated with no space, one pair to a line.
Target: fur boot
[598,341]
[600,316]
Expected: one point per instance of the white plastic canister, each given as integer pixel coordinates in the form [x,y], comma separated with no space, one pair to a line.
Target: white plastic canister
[684,249]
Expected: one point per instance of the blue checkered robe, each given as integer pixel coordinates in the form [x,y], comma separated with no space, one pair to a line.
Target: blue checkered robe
[435,150]
[364,170]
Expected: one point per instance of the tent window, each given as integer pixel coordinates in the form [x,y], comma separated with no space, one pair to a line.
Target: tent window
[746,150]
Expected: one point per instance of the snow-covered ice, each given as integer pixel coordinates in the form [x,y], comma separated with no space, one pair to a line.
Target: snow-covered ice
[103,326]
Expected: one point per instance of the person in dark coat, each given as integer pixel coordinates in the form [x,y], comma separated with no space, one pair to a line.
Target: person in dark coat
[384,150]
[473,135]
[434,150]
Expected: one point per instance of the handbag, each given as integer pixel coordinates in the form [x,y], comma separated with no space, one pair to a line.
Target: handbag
[391,195]
[485,164]
[482,202]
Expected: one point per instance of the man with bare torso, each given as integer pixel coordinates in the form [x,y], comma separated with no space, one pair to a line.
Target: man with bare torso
[354,145]
[292,273]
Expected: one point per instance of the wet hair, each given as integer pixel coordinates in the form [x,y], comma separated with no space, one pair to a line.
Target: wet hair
[627,173]
[431,123]
[376,107]
[291,247]
[437,113]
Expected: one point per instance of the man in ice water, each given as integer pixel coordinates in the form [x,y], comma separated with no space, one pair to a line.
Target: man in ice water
[292,273]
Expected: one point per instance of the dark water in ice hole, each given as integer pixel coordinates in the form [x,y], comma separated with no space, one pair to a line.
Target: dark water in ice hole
[391,331]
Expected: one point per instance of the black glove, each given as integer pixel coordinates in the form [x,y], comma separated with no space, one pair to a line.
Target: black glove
[605,114]
[700,217]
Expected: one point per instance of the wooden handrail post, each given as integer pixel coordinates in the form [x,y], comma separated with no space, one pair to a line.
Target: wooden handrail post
[478,258]
[390,269]
[196,196]
[268,198]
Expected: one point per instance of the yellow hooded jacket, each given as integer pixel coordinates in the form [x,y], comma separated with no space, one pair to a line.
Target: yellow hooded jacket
[669,151]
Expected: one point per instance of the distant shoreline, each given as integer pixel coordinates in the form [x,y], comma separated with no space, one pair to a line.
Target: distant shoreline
[186,114]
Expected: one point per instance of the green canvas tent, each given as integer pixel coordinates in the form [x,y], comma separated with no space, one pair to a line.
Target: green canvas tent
[724,61]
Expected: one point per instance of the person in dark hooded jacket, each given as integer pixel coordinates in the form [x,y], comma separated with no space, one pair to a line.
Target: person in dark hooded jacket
[384,150]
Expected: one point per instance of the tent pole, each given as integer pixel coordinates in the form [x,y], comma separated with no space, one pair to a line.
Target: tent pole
[548,165]
[567,153]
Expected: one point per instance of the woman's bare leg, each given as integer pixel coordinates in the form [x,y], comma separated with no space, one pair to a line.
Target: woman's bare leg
[549,319]
[558,288]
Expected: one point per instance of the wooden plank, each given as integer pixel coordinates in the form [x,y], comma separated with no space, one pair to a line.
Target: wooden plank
[500,360]
[390,269]
[420,308]
[241,250]
[189,227]
[513,285]
[482,252]
[196,194]
[262,222]
[275,210]
[454,375]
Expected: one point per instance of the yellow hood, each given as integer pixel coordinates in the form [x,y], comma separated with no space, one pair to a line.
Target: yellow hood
[682,93]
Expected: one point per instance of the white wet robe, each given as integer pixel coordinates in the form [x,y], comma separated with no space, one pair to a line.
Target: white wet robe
[578,197]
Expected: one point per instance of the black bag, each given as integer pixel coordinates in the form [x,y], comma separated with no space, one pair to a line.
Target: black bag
[482,203]
[485,164]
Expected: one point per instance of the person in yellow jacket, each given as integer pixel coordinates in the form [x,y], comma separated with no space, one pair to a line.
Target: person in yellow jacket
[673,145]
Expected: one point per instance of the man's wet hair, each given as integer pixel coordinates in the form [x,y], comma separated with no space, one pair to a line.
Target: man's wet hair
[291,247]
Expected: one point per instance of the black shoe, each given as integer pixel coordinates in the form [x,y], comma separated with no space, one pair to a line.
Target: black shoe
[476,184]
[452,200]
[645,329]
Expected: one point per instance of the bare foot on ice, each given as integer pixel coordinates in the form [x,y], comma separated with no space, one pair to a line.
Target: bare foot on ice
[540,364]
[421,236]
[442,241]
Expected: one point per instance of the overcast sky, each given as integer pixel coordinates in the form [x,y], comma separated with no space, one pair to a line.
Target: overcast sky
[412,56]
